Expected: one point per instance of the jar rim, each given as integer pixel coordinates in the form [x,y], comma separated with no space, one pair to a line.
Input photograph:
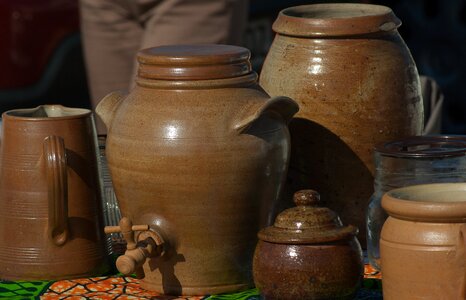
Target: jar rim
[431,146]
[46,112]
[434,202]
[335,19]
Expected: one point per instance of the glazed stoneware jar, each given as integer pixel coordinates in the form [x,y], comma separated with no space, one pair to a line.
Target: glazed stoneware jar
[199,152]
[308,254]
[423,243]
[357,86]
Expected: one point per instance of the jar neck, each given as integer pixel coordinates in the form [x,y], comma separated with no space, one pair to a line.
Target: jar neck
[394,172]
[234,82]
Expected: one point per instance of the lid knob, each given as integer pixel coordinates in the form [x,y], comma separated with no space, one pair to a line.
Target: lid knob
[306,198]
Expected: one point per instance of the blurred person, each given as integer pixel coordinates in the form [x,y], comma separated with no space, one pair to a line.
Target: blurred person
[114,30]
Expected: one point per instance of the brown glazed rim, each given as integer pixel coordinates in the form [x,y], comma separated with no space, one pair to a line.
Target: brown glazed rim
[193,62]
[278,235]
[80,112]
[428,203]
[434,146]
[335,19]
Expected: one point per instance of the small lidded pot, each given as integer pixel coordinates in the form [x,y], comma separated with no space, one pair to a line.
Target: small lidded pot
[308,254]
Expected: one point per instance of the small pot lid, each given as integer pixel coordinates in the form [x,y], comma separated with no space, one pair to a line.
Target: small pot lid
[307,223]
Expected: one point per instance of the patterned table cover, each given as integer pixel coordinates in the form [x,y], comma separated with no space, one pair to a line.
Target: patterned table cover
[125,288]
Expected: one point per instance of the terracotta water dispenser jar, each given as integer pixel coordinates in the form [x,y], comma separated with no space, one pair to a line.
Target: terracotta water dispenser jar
[198,154]
[357,86]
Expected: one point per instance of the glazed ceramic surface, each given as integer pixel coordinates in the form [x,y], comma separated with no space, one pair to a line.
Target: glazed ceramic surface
[357,86]
[308,254]
[199,152]
[50,216]
[423,243]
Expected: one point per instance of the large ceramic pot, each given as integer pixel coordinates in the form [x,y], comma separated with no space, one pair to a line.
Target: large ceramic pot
[357,86]
[423,242]
[199,152]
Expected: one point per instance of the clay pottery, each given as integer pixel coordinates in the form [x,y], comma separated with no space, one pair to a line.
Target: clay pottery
[357,86]
[308,254]
[199,152]
[423,245]
[411,161]
[50,216]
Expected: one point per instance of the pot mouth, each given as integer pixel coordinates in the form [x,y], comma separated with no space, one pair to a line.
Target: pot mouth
[335,19]
[336,11]
[439,202]
[46,112]
[434,146]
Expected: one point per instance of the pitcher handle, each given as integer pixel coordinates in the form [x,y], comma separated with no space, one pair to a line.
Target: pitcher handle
[57,181]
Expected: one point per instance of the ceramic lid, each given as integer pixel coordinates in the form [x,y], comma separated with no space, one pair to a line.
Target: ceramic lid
[307,223]
[194,62]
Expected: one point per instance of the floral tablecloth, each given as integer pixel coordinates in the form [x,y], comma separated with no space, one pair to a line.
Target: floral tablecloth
[123,288]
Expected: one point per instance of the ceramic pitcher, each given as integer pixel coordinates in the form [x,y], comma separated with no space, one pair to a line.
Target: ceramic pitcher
[357,85]
[199,152]
[50,214]
[423,242]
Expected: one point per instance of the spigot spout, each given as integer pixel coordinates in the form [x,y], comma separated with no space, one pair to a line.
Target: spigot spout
[149,244]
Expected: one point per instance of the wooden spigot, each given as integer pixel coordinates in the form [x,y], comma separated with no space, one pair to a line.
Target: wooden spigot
[136,253]
[127,229]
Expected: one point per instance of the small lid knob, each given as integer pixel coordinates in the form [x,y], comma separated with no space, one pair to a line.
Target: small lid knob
[306,198]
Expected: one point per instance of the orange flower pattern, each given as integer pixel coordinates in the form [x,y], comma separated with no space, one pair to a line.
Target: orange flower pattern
[103,288]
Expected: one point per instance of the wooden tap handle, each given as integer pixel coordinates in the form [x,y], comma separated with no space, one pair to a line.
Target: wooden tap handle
[127,229]
[116,229]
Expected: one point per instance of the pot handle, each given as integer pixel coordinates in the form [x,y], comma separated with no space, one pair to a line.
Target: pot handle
[281,105]
[108,106]
[57,182]
[461,250]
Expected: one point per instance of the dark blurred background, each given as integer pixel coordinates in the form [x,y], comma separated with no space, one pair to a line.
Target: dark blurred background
[41,59]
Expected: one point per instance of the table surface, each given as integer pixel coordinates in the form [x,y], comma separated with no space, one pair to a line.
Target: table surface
[123,288]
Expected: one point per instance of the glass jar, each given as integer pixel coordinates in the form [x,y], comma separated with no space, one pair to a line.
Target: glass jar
[411,161]
[111,210]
